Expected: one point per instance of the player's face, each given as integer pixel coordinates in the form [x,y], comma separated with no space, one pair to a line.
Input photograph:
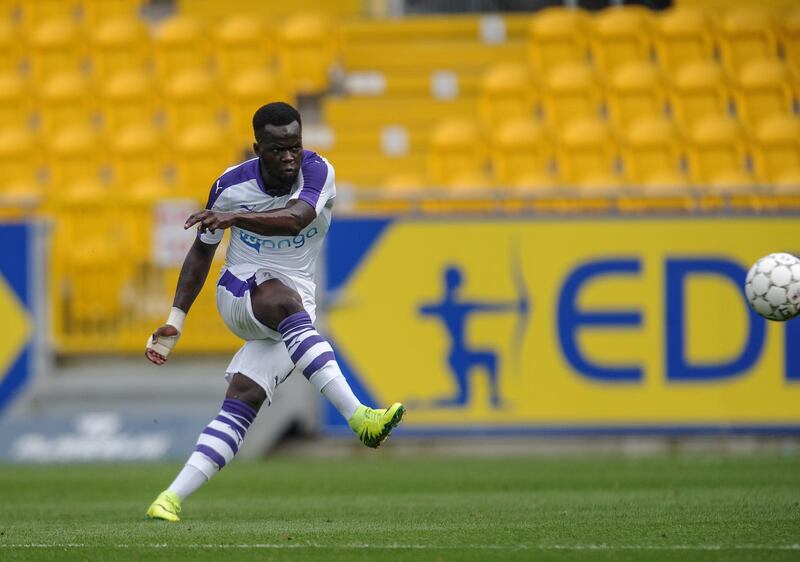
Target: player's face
[281,150]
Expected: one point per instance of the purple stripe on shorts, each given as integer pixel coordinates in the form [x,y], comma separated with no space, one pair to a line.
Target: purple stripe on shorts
[239,408]
[232,424]
[237,287]
[305,345]
[294,321]
[318,362]
[222,436]
[212,454]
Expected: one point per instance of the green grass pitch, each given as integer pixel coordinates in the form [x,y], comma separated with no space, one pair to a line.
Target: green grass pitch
[377,507]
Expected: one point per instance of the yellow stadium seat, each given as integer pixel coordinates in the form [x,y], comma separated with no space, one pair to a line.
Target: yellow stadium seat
[776,153]
[19,159]
[96,11]
[55,46]
[745,34]
[245,93]
[587,154]
[191,98]
[789,35]
[522,154]
[137,155]
[717,151]
[128,98]
[763,89]
[74,155]
[652,153]
[699,89]
[66,100]
[202,153]
[620,35]
[35,12]
[456,151]
[180,45]
[306,51]
[682,35]
[10,52]
[15,101]
[635,90]
[506,93]
[558,36]
[241,44]
[117,45]
[570,92]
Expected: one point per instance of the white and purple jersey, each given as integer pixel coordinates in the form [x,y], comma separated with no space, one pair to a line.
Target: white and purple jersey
[241,189]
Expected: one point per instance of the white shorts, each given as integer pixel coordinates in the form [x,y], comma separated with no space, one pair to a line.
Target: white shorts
[263,358]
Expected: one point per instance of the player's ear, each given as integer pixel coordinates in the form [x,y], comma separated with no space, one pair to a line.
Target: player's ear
[256,148]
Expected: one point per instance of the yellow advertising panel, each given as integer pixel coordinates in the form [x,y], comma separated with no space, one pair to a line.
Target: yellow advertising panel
[564,323]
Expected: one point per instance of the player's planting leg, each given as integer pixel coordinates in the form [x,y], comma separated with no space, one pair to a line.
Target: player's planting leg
[217,445]
[314,356]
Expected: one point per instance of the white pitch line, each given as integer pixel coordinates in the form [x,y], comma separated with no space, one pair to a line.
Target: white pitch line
[542,547]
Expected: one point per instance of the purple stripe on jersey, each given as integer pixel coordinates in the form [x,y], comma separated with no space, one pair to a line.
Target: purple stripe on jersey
[315,173]
[227,439]
[318,363]
[212,454]
[246,171]
[239,408]
[232,424]
[305,345]
[236,286]
[294,321]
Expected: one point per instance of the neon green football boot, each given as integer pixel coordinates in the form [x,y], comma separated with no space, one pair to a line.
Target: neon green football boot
[374,426]
[166,507]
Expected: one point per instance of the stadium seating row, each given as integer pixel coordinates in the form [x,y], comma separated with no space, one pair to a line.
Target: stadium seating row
[305,47]
[589,153]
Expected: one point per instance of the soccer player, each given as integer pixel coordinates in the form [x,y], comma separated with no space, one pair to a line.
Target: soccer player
[278,209]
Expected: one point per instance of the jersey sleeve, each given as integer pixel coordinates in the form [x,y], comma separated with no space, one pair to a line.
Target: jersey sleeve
[217,201]
[318,183]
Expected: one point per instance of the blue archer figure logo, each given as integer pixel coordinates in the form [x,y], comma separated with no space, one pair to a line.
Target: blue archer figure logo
[454,313]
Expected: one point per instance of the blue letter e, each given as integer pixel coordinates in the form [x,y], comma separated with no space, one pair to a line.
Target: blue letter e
[570,319]
[678,366]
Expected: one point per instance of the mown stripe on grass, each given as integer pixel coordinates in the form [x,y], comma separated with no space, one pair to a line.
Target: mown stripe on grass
[278,546]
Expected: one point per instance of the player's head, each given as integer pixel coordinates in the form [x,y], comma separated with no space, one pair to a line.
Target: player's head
[452,277]
[279,143]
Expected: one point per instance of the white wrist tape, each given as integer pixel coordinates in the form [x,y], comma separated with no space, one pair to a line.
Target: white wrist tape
[176,318]
[165,343]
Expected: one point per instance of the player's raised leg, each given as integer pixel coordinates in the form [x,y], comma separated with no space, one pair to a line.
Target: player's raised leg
[217,445]
[281,308]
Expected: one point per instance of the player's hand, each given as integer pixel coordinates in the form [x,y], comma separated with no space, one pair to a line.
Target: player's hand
[209,221]
[160,343]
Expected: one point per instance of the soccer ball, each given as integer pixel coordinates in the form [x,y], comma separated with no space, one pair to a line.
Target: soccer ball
[773,287]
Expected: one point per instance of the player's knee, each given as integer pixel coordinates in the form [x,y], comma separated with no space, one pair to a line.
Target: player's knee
[289,303]
[248,391]
[271,307]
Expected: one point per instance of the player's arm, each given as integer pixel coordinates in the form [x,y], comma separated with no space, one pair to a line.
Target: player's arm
[191,279]
[288,221]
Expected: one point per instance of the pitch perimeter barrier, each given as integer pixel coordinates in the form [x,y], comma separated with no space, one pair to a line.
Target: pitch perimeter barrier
[574,325]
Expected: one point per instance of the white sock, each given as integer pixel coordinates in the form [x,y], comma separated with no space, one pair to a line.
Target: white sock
[187,482]
[339,393]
